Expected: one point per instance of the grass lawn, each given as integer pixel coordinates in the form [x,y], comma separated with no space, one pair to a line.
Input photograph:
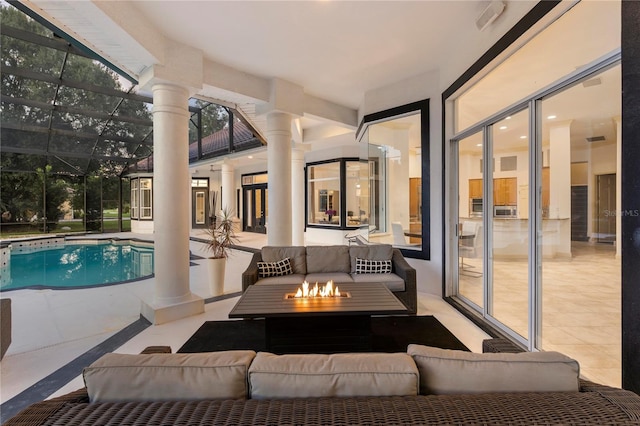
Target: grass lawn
[25,230]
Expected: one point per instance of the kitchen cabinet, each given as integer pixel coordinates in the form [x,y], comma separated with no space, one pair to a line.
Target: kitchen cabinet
[475,188]
[505,192]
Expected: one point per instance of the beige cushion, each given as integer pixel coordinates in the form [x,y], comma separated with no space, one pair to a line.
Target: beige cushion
[284,279]
[328,259]
[444,371]
[323,277]
[349,374]
[297,254]
[370,252]
[166,377]
[391,281]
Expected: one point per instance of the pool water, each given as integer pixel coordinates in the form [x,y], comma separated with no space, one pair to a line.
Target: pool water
[78,266]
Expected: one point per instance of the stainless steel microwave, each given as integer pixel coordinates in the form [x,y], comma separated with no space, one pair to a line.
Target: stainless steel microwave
[505,211]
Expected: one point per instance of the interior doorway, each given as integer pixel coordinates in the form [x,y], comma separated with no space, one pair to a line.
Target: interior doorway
[606,208]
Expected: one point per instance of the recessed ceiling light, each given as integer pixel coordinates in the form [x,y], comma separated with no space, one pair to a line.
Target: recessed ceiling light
[508,118]
[503,127]
[551,117]
[478,144]
[250,157]
[523,137]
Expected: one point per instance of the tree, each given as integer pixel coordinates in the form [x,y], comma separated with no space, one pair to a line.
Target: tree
[214,118]
[31,183]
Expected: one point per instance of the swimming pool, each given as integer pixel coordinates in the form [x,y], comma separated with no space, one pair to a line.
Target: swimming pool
[77,264]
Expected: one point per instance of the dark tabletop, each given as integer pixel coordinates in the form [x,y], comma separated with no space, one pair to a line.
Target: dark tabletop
[268,300]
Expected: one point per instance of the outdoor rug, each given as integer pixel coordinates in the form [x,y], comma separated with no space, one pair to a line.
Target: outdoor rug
[389,334]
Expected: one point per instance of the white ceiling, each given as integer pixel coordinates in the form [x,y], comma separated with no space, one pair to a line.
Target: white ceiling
[335,50]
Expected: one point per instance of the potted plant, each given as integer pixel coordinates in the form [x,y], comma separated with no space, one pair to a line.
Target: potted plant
[221,237]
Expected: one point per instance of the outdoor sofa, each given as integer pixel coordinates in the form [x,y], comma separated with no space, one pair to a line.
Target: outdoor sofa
[425,386]
[339,263]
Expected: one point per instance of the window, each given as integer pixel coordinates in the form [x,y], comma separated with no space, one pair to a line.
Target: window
[199,183]
[146,198]
[357,193]
[395,151]
[134,198]
[323,204]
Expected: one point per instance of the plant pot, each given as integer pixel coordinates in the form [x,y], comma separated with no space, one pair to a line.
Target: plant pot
[216,275]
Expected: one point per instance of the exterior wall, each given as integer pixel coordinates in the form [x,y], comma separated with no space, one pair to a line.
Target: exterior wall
[424,86]
[142,226]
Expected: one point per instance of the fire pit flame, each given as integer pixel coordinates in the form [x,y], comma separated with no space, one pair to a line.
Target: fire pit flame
[326,291]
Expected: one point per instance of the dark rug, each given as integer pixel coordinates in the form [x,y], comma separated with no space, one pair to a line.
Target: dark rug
[389,334]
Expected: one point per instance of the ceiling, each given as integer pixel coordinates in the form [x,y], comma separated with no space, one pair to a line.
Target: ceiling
[337,51]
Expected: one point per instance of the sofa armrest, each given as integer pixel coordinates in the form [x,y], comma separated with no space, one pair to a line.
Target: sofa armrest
[498,345]
[401,268]
[250,275]
[156,350]
[5,331]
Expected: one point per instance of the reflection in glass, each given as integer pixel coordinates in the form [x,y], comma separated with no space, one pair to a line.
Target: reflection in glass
[357,190]
[470,211]
[509,290]
[581,278]
[395,181]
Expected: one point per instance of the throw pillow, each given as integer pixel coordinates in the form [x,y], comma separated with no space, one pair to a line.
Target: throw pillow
[168,377]
[332,375]
[366,266]
[274,269]
[446,371]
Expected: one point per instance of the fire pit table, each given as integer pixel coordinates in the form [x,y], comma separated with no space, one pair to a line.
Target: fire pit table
[317,324]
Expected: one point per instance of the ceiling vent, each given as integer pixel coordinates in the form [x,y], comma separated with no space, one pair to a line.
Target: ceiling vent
[489,14]
[596,139]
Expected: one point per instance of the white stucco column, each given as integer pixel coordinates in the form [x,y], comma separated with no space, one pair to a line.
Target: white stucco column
[279,171]
[228,190]
[297,197]
[560,175]
[560,185]
[173,298]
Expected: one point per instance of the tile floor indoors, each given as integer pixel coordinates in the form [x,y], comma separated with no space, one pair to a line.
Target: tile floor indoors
[52,329]
[581,300]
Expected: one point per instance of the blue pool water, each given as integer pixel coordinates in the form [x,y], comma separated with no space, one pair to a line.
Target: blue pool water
[78,266]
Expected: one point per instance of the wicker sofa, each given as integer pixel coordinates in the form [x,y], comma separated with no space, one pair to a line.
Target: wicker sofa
[338,263]
[589,404]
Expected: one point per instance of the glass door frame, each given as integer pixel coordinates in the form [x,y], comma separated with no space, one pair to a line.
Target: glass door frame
[451,276]
[252,191]
[194,213]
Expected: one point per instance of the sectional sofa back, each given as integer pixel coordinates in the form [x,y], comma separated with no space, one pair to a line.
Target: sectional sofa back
[245,374]
[322,259]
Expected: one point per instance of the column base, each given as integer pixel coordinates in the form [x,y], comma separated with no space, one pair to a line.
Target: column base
[158,313]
